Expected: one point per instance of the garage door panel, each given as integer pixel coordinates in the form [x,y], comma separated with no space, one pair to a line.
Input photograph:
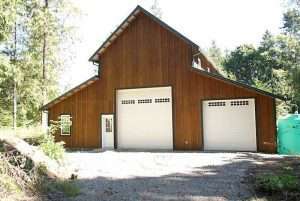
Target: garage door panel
[229,125]
[145,122]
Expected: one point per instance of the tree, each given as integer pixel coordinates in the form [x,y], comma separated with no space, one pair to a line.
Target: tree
[7,18]
[33,45]
[291,22]
[291,49]
[48,36]
[215,53]
[242,64]
[6,78]
[156,10]
[275,64]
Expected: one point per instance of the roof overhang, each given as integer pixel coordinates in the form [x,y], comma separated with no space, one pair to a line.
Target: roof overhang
[70,92]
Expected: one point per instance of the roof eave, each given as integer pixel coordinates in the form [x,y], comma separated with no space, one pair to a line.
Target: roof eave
[69,92]
[94,57]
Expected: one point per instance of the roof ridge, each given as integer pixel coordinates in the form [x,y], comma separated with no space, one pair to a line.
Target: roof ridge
[127,21]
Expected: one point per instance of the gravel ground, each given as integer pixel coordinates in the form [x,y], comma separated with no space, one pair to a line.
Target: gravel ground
[163,176]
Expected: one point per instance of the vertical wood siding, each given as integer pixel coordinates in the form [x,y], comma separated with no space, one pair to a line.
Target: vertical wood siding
[146,55]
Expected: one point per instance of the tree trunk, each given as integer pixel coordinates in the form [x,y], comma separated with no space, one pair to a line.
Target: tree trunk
[14,59]
[15,106]
[44,95]
[53,168]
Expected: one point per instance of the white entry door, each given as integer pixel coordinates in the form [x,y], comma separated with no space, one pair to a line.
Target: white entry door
[229,125]
[107,130]
[144,118]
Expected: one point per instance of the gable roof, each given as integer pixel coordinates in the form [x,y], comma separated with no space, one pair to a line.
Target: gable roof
[126,23]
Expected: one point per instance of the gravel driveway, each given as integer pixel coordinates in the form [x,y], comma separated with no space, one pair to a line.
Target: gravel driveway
[163,176]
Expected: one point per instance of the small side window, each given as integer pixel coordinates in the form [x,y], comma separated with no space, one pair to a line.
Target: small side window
[65,124]
[108,125]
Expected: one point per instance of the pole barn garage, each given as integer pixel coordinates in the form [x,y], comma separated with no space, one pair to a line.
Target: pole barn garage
[156,90]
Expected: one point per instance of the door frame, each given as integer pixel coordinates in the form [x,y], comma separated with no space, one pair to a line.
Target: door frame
[142,87]
[114,127]
[230,98]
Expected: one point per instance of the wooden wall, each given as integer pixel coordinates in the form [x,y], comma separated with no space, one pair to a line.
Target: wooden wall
[146,55]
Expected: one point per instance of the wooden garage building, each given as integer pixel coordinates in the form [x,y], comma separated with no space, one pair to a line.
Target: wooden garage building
[156,90]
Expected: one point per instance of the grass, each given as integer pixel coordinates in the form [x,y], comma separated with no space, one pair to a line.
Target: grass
[69,188]
[282,180]
[23,132]
[280,185]
[277,183]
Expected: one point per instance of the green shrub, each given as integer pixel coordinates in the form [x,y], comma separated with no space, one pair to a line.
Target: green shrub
[276,183]
[54,150]
[67,187]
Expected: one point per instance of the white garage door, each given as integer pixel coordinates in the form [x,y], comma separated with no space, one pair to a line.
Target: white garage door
[144,118]
[229,125]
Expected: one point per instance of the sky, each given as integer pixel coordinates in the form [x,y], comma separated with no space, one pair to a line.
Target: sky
[230,23]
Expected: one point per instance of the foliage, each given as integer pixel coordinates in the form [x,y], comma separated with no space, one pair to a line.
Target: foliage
[54,150]
[215,53]
[38,136]
[291,22]
[273,66]
[6,78]
[276,183]
[7,17]
[33,38]
[8,184]
[242,63]
[20,179]
[67,187]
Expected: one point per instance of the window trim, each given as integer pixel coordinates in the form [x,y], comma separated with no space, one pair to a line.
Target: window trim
[61,130]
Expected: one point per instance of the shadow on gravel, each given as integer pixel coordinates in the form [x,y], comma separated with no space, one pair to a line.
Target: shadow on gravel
[224,182]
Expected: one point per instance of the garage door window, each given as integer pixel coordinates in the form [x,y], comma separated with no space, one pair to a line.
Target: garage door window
[214,104]
[65,124]
[126,102]
[162,100]
[238,103]
[141,101]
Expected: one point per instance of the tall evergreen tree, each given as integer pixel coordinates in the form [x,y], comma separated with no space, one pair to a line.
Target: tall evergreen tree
[156,10]
[33,47]
[291,22]
[215,53]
